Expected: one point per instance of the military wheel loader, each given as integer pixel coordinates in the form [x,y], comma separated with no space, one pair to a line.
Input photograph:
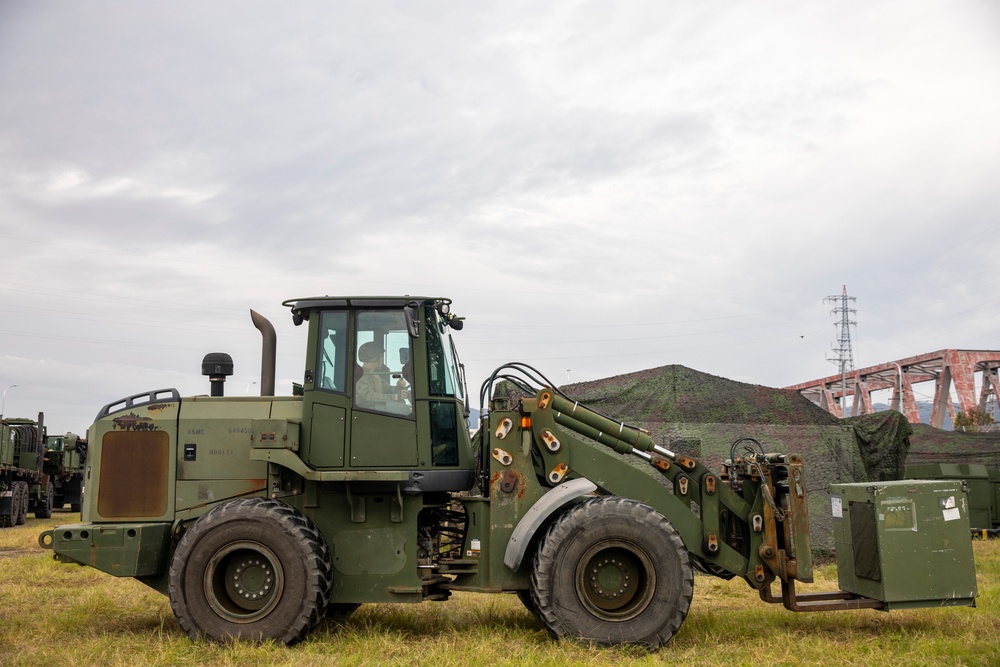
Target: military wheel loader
[260,516]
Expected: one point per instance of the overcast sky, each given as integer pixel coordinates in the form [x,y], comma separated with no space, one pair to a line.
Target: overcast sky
[601,187]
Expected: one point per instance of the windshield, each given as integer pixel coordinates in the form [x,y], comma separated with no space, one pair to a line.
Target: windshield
[442,360]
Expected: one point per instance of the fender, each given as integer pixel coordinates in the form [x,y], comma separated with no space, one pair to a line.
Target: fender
[538,514]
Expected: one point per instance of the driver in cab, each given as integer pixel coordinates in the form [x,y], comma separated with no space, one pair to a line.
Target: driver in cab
[372,390]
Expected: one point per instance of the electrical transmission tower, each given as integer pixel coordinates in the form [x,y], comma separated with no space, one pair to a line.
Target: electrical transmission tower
[844,357]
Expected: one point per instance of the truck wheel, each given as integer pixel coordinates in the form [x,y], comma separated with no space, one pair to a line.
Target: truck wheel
[44,508]
[15,504]
[8,508]
[78,505]
[21,491]
[252,569]
[613,571]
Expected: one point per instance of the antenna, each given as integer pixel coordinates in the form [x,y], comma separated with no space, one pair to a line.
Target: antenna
[844,357]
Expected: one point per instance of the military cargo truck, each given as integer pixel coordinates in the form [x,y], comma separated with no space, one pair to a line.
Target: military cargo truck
[65,456]
[24,485]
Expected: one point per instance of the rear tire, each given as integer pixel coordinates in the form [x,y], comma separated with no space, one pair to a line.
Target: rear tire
[613,571]
[251,569]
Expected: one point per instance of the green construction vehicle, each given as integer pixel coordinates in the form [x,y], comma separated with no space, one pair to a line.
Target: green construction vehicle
[65,456]
[260,516]
[25,486]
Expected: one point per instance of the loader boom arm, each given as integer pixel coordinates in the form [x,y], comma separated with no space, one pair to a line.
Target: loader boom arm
[749,521]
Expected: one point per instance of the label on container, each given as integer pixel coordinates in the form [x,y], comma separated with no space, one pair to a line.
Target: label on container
[898,514]
[837,505]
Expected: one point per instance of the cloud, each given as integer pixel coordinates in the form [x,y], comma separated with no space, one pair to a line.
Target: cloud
[603,187]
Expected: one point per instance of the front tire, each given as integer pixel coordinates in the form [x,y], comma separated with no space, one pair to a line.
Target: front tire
[613,571]
[251,569]
[44,509]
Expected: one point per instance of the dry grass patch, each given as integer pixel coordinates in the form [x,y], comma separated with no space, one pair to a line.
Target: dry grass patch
[55,614]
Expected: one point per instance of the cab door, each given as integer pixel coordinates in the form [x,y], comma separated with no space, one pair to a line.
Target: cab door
[327,400]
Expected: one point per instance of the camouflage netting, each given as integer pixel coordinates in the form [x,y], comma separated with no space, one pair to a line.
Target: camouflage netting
[680,394]
[931,445]
[883,443]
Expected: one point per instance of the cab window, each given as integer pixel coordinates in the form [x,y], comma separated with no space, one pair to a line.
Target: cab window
[442,362]
[332,354]
[383,370]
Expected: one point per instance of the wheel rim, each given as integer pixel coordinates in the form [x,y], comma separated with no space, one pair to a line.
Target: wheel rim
[244,581]
[615,580]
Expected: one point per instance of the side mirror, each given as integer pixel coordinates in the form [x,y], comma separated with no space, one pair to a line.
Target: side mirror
[412,325]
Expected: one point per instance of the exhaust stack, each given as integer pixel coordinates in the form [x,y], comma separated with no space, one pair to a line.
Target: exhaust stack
[269,348]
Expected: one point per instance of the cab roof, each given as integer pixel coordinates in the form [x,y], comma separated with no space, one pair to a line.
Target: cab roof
[316,302]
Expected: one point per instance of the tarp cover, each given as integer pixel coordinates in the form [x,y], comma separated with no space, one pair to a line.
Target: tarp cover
[883,442]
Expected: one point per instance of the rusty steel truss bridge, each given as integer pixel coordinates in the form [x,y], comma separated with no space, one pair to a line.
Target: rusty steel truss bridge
[945,368]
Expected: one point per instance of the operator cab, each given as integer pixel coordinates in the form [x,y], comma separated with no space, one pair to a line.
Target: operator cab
[383,389]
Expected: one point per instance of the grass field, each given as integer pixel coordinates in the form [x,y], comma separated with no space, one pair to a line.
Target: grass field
[55,614]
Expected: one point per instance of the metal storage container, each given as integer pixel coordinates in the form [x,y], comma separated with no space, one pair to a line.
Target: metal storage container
[905,543]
